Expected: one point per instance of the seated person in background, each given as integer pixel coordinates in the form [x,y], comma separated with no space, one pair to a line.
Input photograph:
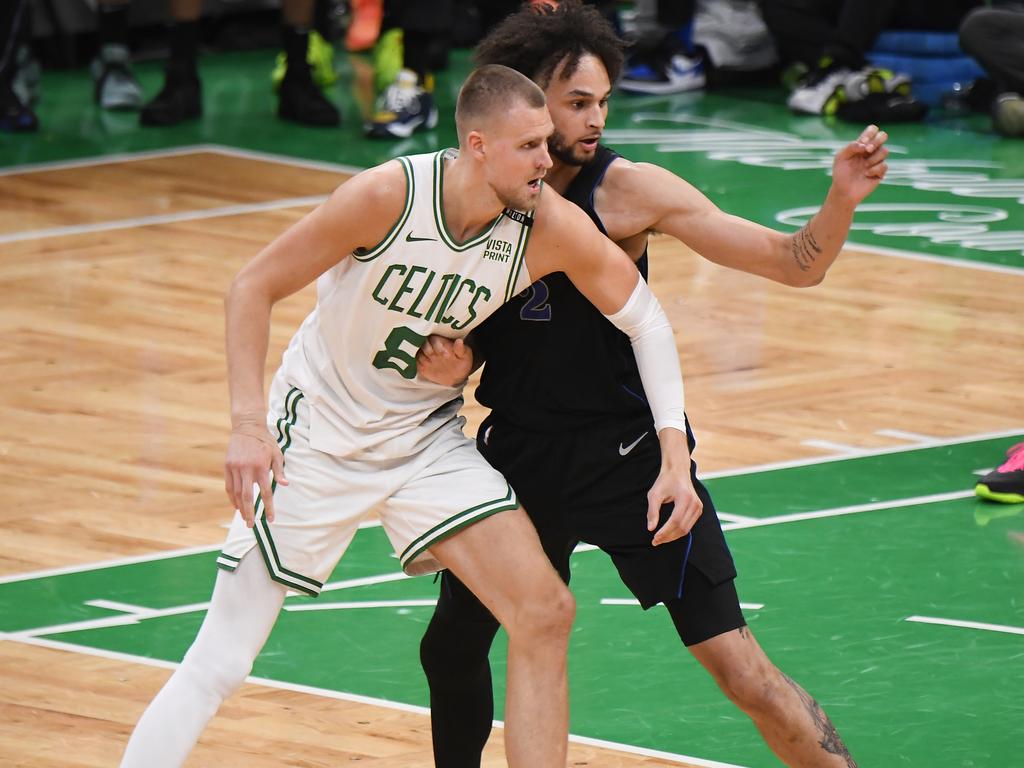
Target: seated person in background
[995,37]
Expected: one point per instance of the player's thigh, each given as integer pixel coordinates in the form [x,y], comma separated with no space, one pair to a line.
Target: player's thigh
[501,561]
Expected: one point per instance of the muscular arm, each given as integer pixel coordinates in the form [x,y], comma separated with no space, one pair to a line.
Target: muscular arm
[637,197]
[358,214]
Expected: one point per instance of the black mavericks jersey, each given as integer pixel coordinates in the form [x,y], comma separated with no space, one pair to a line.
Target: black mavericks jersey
[553,361]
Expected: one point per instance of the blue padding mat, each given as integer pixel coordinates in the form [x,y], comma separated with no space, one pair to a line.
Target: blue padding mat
[952,70]
[919,43]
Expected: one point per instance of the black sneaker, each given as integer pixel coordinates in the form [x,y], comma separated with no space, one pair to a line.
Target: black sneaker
[180,100]
[1006,483]
[301,101]
[404,107]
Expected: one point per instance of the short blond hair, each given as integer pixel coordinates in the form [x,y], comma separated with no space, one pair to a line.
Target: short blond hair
[491,88]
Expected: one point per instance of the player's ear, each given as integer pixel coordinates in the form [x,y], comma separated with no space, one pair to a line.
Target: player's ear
[475,144]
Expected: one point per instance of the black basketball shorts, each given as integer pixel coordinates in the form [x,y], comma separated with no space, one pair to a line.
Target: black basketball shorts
[591,485]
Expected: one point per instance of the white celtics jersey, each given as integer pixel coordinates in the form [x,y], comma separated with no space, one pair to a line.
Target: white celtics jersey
[354,357]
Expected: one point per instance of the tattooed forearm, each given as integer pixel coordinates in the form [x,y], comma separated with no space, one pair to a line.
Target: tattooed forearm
[804,248]
[830,741]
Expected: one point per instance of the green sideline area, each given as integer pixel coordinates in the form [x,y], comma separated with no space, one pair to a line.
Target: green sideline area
[954,188]
[836,590]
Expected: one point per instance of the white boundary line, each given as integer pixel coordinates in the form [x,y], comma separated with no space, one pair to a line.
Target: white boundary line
[120,157]
[967,624]
[841,449]
[99,565]
[163,218]
[633,601]
[356,605]
[296,162]
[880,250]
[133,614]
[940,442]
[911,437]
[189,149]
[353,697]
[853,509]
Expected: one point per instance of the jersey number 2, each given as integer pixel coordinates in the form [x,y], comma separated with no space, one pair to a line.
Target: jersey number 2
[395,355]
[536,306]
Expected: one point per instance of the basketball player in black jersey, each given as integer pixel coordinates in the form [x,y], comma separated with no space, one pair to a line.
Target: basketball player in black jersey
[569,425]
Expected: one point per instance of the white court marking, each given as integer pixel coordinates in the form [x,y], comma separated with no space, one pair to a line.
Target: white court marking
[634,601]
[967,624]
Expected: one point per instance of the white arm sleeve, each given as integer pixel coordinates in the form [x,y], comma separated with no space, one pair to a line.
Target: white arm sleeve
[644,321]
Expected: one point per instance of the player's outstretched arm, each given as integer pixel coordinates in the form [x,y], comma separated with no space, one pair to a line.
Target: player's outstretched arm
[564,239]
[358,214]
[800,259]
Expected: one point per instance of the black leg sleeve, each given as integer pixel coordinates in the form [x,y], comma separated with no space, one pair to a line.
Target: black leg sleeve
[453,653]
[996,39]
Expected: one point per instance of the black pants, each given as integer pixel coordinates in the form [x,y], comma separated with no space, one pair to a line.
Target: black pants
[13,21]
[844,30]
[995,37]
[590,485]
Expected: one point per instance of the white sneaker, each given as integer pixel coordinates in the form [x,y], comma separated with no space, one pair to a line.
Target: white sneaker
[821,93]
[116,86]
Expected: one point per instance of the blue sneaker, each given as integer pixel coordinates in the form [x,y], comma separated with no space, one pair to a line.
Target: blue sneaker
[673,74]
[404,107]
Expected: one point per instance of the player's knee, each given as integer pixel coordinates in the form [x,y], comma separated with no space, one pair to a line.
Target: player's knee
[219,673]
[753,689]
[548,616]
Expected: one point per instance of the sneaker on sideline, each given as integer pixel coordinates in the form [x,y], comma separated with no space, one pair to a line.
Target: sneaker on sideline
[404,107]
[116,86]
[1006,483]
[676,73]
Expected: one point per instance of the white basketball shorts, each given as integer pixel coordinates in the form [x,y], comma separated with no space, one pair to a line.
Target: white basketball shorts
[421,499]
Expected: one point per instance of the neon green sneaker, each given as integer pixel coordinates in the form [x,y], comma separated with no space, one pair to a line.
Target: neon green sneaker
[319,54]
[388,59]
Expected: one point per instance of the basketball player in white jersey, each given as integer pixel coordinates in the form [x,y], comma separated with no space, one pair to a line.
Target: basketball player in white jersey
[417,246]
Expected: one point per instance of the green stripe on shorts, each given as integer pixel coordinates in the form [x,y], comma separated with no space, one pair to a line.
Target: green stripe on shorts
[456,523]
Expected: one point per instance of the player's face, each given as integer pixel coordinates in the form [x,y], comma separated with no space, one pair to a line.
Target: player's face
[517,156]
[578,107]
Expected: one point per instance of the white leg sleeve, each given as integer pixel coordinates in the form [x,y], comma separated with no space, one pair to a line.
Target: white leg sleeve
[644,321]
[242,612]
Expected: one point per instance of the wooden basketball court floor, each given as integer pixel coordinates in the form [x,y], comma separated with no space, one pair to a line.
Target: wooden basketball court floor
[840,428]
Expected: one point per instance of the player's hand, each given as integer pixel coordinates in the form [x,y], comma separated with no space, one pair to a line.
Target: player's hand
[252,453]
[673,485]
[860,166]
[445,362]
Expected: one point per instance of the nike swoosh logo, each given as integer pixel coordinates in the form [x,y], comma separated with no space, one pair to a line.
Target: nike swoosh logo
[410,239]
[631,446]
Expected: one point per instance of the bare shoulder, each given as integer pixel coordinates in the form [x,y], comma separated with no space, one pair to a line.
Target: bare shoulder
[626,177]
[559,228]
[383,186]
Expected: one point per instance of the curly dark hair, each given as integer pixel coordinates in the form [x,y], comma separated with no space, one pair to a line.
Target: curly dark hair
[538,38]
